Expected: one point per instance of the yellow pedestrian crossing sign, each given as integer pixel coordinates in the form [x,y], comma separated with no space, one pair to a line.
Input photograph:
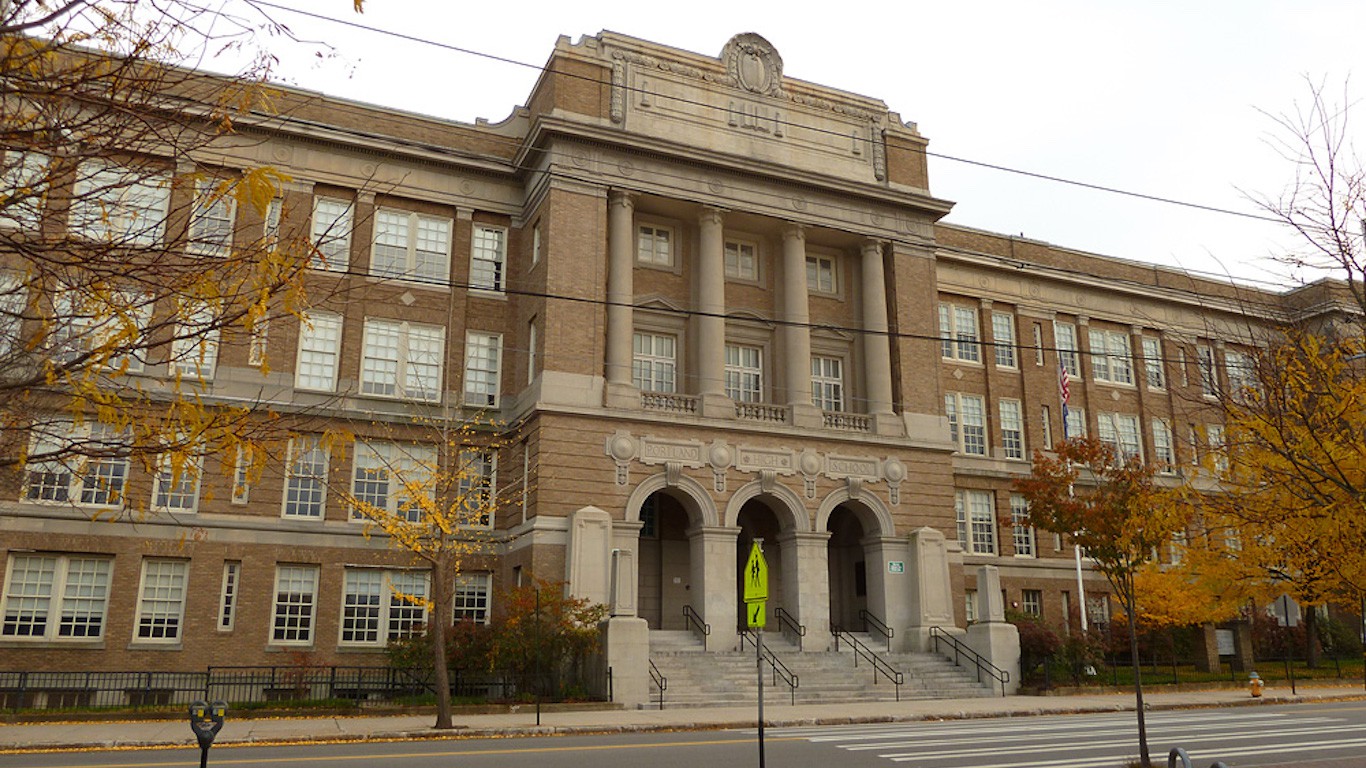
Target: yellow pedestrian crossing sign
[756,577]
[756,615]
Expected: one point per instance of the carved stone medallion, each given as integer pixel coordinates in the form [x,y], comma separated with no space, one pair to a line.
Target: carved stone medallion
[754,64]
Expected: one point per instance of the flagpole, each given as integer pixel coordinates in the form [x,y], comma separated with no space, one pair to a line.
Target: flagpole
[1064,395]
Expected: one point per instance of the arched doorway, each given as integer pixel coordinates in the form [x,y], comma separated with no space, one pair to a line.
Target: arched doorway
[665,561]
[757,520]
[848,569]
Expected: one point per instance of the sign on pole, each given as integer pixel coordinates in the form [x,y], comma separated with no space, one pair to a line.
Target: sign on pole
[756,576]
[755,614]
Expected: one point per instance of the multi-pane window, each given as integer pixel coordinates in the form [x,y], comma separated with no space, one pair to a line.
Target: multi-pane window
[379,607]
[958,336]
[332,224]
[827,383]
[101,328]
[393,479]
[176,486]
[55,597]
[296,602]
[1012,430]
[161,601]
[243,471]
[1075,423]
[1003,337]
[653,366]
[970,605]
[1152,363]
[654,245]
[270,226]
[1163,448]
[122,206]
[1031,602]
[742,260]
[411,245]
[85,464]
[967,423]
[483,364]
[1038,343]
[1242,373]
[1046,421]
[1120,432]
[306,479]
[227,598]
[472,592]
[1209,382]
[1065,339]
[744,373]
[258,337]
[1110,359]
[1022,533]
[976,516]
[194,348]
[25,180]
[821,275]
[13,301]
[211,220]
[1215,439]
[402,359]
[319,348]
[477,480]
[488,257]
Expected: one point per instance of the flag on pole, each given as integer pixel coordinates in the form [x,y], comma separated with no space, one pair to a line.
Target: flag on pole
[1064,392]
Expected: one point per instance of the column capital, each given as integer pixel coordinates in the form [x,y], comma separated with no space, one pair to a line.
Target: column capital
[621,197]
[794,231]
[712,214]
[871,245]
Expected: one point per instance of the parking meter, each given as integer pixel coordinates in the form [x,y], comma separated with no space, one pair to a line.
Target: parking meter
[206,720]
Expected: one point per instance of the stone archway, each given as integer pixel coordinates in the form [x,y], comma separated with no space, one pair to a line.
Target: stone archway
[668,515]
[863,575]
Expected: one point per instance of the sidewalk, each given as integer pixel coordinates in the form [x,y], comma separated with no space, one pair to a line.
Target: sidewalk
[237,730]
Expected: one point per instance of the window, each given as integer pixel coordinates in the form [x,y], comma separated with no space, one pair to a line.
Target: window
[1242,372]
[13,302]
[1152,363]
[970,605]
[392,479]
[976,522]
[531,343]
[478,475]
[654,246]
[1046,417]
[958,333]
[1065,339]
[1075,423]
[967,423]
[194,349]
[227,598]
[472,597]
[270,226]
[402,360]
[161,602]
[411,245]
[1110,360]
[1003,336]
[488,255]
[827,383]
[1012,430]
[1021,532]
[103,329]
[536,244]
[243,471]
[1215,435]
[296,597]
[211,220]
[55,597]
[93,473]
[305,479]
[1163,448]
[1031,602]
[821,275]
[319,348]
[742,260]
[744,374]
[1209,384]
[122,206]
[1120,432]
[483,362]
[176,486]
[25,181]
[256,343]
[379,607]
[331,234]
[1038,343]
[652,365]
[1176,548]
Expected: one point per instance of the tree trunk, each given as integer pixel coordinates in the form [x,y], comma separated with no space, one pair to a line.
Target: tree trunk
[442,584]
[1313,650]
[1143,756]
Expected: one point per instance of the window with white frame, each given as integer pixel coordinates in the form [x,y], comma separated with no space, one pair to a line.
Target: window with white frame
[84,464]
[1242,372]
[483,366]
[532,342]
[970,605]
[103,328]
[211,219]
[1120,431]
[478,475]
[1065,339]
[392,479]
[1110,358]
[1031,601]
[1214,434]
[227,596]
[176,485]
[296,604]
[827,383]
[332,225]
[1038,343]
[194,348]
[55,597]
[967,423]
[13,302]
[270,225]
[244,471]
[379,607]
[744,373]
[472,592]
[654,245]
[161,601]
[1021,532]
[1003,337]
[1012,430]
[1163,447]
[653,362]
[319,350]
[412,245]
[1176,548]
[958,335]
[257,338]
[742,260]
[1153,362]
[488,258]
[1046,423]
[821,275]
[976,515]
[1075,423]
[119,205]
[1193,440]
[401,359]
[306,479]
[1209,381]
[536,243]
[25,178]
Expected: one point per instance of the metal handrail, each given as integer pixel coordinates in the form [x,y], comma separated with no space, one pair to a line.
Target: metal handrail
[1179,753]
[880,665]
[960,649]
[661,682]
[780,670]
[694,621]
[787,623]
[870,619]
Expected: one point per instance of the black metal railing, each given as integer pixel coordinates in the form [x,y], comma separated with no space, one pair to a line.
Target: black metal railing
[961,651]
[881,667]
[660,681]
[786,623]
[780,670]
[694,622]
[871,624]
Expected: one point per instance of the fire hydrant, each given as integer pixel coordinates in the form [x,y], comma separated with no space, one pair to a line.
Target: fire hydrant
[1255,685]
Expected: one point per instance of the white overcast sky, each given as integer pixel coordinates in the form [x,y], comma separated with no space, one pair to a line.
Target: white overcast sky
[1161,98]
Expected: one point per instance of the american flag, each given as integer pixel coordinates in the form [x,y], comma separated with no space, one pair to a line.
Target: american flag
[1064,392]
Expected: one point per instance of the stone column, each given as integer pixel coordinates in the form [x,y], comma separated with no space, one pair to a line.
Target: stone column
[877,356]
[710,338]
[889,593]
[997,640]
[621,264]
[931,595]
[797,331]
[806,585]
[714,582]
